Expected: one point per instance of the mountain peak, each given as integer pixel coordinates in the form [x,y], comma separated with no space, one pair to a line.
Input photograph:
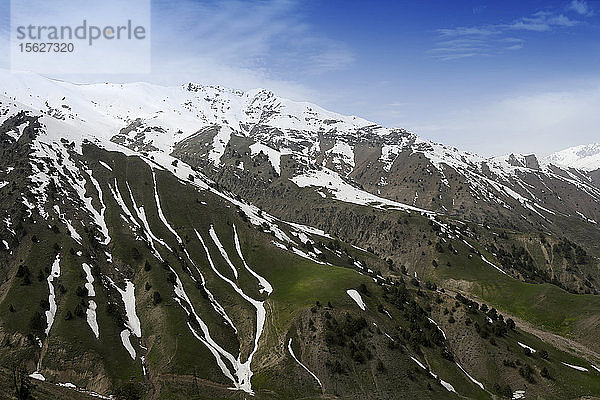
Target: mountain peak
[522,160]
[585,157]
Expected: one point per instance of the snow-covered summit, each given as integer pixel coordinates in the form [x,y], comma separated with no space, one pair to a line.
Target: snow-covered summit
[103,109]
[584,157]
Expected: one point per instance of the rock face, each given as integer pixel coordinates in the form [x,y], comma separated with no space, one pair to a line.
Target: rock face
[197,241]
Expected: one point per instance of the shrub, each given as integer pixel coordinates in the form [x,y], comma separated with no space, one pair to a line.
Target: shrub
[129,391]
[528,373]
[37,322]
[81,291]
[545,373]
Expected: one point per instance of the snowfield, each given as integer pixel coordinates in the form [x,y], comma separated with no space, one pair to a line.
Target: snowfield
[585,157]
[343,191]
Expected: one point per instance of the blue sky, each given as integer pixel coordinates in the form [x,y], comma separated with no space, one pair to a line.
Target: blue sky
[491,77]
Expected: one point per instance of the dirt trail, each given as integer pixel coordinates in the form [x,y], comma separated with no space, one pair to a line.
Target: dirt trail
[562,343]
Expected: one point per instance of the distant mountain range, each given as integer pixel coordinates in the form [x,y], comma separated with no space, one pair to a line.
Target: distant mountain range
[584,157]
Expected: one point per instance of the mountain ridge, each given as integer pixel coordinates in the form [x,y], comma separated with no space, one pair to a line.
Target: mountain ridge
[267,99]
[584,157]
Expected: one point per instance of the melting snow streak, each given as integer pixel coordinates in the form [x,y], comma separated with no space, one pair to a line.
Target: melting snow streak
[54,273]
[91,311]
[243,370]
[578,368]
[302,365]
[133,322]
[266,286]
[470,377]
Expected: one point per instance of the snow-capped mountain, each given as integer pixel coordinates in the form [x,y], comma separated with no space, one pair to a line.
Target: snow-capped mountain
[584,157]
[306,145]
[197,241]
[105,109]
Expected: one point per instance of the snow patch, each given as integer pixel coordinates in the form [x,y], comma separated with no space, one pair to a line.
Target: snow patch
[99,216]
[91,310]
[90,280]
[265,285]
[217,242]
[578,368]
[518,394]
[447,386]
[419,363]
[242,369]
[492,264]
[125,333]
[345,192]
[36,375]
[219,143]
[342,155]
[354,295]
[440,329]
[105,165]
[132,324]
[527,347]
[273,155]
[91,318]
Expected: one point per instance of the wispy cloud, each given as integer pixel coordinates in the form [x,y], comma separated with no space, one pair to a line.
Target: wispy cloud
[235,43]
[461,47]
[541,21]
[243,44]
[467,31]
[494,39]
[581,7]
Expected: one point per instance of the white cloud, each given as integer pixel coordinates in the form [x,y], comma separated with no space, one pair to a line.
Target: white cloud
[540,122]
[581,7]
